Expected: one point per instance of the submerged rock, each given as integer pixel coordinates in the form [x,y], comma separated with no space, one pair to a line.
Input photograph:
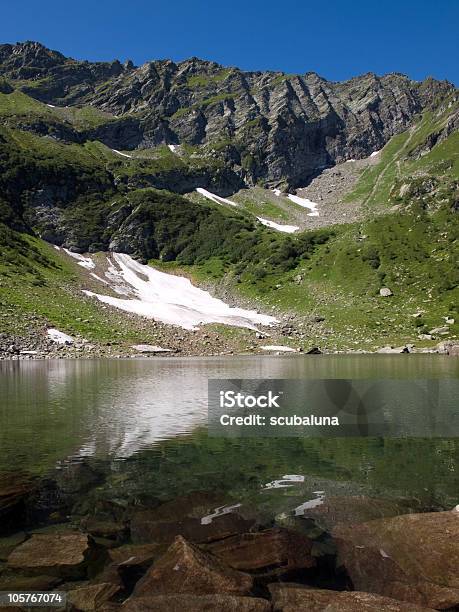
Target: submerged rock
[412,557]
[294,598]
[184,568]
[15,490]
[194,516]
[54,554]
[351,509]
[91,597]
[274,551]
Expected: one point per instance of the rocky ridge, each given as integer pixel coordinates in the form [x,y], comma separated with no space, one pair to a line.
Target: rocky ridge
[268,126]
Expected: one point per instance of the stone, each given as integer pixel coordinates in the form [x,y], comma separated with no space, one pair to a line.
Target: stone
[412,557]
[388,350]
[352,509]
[314,351]
[15,490]
[385,292]
[291,598]
[186,516]
[91,597]
[440,330]
[104,528]
[78,478]
[274,551]
[8,544]
[53,554]
[134,555]
[184,568]
[196,603]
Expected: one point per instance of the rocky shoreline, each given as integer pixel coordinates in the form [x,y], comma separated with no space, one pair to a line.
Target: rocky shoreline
[202,552]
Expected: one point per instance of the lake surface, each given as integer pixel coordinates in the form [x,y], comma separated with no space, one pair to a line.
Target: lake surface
[143,422]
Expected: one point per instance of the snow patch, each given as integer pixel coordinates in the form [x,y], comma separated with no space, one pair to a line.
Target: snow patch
[149,348]
[286,349]
[173,148]
[305,203]
[171,299]
[51,105]
[215,198]
[122,154]
[277,192]
[350,160]
[374,154]
[85,262]
[59,337]
[56,247]
[289,229]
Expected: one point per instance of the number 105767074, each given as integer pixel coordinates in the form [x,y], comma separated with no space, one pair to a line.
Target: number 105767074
[33,598]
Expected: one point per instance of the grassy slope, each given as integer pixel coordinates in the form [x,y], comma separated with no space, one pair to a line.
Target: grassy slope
[413,253]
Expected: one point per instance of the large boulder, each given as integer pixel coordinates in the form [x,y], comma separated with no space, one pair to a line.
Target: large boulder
[184,568]
[15,490]
[412,557]
[91,597]
[198,517]
[196,603]
[273,551]
[65,555]
[290,598]
[351,509]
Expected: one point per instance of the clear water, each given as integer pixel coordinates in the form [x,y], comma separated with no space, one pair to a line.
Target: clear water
[144,423]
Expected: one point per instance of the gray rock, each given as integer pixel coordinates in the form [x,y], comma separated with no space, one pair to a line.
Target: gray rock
[385,292]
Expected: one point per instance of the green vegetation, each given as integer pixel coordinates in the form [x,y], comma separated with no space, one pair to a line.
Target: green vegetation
[198,81]
[420,151]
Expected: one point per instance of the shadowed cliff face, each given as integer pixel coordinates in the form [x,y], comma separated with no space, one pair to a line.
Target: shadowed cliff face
[265,125]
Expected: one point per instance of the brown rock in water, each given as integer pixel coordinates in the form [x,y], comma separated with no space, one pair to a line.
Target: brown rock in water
[15,488]
[146,528]
[184,568]
[412,557]
[105,529]
[133,555]
[91,597]
[352,509]
[184,516]
[196,603]
[262,551]
[8,544]
[293,599]
[53,554]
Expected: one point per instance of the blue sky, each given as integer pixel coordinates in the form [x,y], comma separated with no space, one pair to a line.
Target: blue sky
[336,38]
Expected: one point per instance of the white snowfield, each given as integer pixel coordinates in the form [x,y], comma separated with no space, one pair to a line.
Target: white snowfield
[171,299]
[272,347]
[59,337]
[289,229]
[85,262]
[51,105]
[122,154]
[374,154]
[173,148]
[215,198]
[305,203]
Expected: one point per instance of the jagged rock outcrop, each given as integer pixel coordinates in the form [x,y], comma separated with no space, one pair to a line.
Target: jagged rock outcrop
[267,126]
